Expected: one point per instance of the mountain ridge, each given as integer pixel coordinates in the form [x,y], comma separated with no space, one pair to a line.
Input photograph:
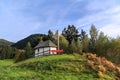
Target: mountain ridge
[5,42]
[34,39]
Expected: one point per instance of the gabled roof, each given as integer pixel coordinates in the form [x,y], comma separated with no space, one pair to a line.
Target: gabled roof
[48,43]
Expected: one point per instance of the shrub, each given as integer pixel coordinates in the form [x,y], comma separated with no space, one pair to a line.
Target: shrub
[90,56]
[102,68]
[91,64]
[100,74]
[110,65]
[118,69]
[99,61]
[19,56]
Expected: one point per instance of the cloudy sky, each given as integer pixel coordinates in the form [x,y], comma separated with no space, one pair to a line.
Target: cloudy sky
[20,18]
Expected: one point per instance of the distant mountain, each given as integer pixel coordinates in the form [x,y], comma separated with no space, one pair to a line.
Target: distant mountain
[5,42]
[34,39]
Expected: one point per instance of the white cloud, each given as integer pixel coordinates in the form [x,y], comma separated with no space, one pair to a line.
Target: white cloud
[107,20]
[112,27]
[96,5]
[38,16]
[112,30]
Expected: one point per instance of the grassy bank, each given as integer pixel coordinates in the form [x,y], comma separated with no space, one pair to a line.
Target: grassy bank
[54,67]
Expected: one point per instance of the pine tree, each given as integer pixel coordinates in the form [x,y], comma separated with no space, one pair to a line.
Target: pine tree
[84,41]
[50,35]
[70,33]
[3,56]
[28,51]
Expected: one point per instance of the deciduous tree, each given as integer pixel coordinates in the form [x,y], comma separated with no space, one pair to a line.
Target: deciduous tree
[93,38]
[63,43]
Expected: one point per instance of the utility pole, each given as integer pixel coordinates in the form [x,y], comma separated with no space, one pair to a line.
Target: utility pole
[58,46]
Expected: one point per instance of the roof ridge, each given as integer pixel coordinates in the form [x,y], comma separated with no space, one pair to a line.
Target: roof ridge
[47,43]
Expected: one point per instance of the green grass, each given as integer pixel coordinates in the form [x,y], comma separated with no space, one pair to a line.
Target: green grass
[6,62]
[54,67]
[9,73]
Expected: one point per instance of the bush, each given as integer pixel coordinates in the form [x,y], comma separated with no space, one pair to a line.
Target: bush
[91,64]
[90,56]
[102,68]
[100,74]
[110,65]
[19,56]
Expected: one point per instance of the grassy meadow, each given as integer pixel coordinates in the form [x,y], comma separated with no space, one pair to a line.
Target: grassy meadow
[55,67]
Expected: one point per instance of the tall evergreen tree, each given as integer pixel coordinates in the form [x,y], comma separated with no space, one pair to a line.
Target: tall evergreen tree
[3,56]
[50,35]
[70,33]
[84,40]
[7,52]
[28,51]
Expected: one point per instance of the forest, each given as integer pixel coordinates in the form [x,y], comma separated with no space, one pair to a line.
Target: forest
[71,41]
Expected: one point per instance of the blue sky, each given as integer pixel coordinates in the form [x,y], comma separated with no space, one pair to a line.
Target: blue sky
[20,18]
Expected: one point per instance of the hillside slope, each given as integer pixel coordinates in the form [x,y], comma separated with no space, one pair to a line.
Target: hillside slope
[5,42]
[34,39]
[71,67]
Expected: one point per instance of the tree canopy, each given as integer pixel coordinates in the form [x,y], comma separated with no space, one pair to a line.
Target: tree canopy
[70,33]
